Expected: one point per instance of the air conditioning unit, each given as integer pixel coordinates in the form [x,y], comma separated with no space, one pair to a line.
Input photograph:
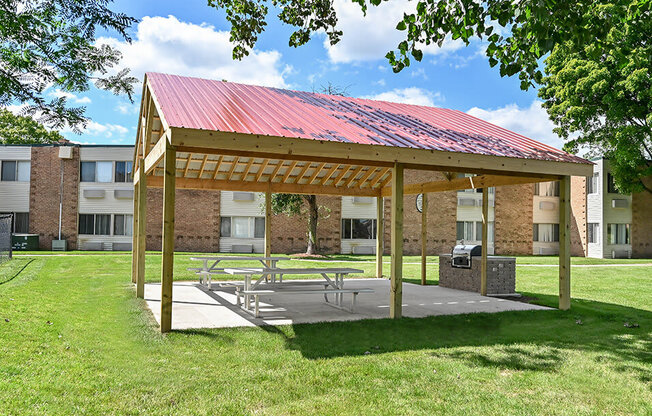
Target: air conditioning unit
[621,254]
[123,193]
[65,152]
[362,199]
[364,250]
[547,205]
[243,196]
[619,203]
[466,202]
[548,251]
[93,193]
[242,248]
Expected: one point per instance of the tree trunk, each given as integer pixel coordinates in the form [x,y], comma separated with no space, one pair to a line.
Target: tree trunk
[313,216]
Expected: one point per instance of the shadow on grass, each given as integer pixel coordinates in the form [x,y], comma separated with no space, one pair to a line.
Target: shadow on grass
[543,337]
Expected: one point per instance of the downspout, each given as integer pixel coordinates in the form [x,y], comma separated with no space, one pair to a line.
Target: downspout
[60,197]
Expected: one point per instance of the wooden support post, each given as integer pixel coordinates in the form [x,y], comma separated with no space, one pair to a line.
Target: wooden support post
[485,241]
[134,239]
[564,243]
[168,238]
[140,228]
[424,236]
[396,285]
[268,226]
[379,236]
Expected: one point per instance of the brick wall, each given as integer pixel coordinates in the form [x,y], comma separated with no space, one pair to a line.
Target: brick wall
[578,216]
[442,217]
[197,220]
[290,233]
[642,223]
[44,196]
[513,219]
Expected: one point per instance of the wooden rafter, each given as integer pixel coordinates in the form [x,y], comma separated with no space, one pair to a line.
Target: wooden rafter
[351,178]
[261,169]
[378,177]
[218,163]
[247,168]
[288,172]
[318,169]
[339,177]
[385,182]
[329,174]
[203,166]
[303,172]
[233,166]
[275,171]
[188,159]
[365,176]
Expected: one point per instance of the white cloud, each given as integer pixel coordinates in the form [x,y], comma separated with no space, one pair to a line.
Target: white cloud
[410,95]
[75,99]
[165,44]
[124,108]
[370,37]
[97,130]
[532,121]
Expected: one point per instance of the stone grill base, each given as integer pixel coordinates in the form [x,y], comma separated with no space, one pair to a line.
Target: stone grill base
[501,275]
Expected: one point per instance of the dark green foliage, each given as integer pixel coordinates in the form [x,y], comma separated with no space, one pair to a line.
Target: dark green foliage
[24,130]
[51,44]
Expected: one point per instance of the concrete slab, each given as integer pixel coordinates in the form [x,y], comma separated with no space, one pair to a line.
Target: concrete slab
[195,307]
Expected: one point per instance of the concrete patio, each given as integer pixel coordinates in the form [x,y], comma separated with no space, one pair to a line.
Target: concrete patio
[196,307]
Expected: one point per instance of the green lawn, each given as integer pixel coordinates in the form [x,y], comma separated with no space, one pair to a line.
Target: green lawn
[78,342]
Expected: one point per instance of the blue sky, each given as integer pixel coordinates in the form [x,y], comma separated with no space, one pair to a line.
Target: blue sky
[190,38]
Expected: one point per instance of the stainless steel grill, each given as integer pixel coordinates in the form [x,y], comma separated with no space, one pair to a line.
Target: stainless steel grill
[462,255]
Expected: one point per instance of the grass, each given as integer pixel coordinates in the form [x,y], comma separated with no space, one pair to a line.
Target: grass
[78,342]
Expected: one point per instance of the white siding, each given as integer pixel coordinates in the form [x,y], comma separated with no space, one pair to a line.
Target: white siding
[108,204]
[227,242]
[545,248]
[14,196]
[474,213]
[15,152]
[86,242]
[594,212]
[545,216]
[91,153]
[357,210]
[231,208]
[614,216]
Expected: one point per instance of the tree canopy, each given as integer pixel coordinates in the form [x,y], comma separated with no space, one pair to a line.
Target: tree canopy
[24,130]
[50,44]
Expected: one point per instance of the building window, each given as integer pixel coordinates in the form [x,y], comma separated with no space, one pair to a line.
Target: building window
[95,224]
[15,170]
[592,184]
[19,222]
[546,189]
[618,233]
[593,232]
[358,228]
[123,171]
[545,233]
[96,171]
[123,224]
[472,230]
[611,184]
[242,227]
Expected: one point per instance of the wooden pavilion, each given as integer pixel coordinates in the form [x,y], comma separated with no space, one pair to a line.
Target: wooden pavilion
[203,134]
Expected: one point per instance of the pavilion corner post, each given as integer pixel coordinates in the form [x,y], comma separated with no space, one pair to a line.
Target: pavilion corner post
[396,284]
[380,208]
[424,235]
[134,238]
[268,226]
[564,243]
[169,179]
[485,241]
[140,226]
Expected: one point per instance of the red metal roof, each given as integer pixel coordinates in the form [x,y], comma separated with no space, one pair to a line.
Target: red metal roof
[230,107]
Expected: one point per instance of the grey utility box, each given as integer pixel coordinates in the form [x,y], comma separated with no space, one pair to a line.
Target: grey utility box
[59,245]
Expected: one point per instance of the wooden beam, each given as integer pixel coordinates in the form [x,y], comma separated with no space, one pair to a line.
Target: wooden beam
[245,173]
[261,170]
[156,154]
[351,178]
[142,232]
[457,184]
[275,171]
[485,241]
[234,165]
[380,210]
[329,173]
[203,166]
[385,182]
[251,186]
[365,176]
[424,236]
[373,155]
[217,166]
[318,169]
[339,177]
[564,243]
[167,264]
[134,239]
[396,285]
[188,159]
[378,177]
[302,172]
[268,226]
[289,170]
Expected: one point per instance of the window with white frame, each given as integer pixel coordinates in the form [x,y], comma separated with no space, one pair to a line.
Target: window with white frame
[15,170]
[618,233]
[358,228]
[96,171]
[593,230]
[95,224]
[242,227]
[122,171]
[545,233]
[472,230]
[123,224]
[546,189]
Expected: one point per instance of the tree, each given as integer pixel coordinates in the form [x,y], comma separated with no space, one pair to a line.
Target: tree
[50,44]
[24,130]
[293,204]
[518,35]
[605,95]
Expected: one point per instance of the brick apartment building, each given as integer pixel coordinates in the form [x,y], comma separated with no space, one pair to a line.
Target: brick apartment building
[91,187]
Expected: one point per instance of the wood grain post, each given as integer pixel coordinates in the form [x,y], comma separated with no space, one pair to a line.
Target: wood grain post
[485,241]
[169,161]
[134,239]
[564,243]
[379,236]
[396,284]
[141,227]
[424,236]
[268,226]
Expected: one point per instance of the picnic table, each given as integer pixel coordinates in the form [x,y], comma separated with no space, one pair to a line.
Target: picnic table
[206,271]
[336,283]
